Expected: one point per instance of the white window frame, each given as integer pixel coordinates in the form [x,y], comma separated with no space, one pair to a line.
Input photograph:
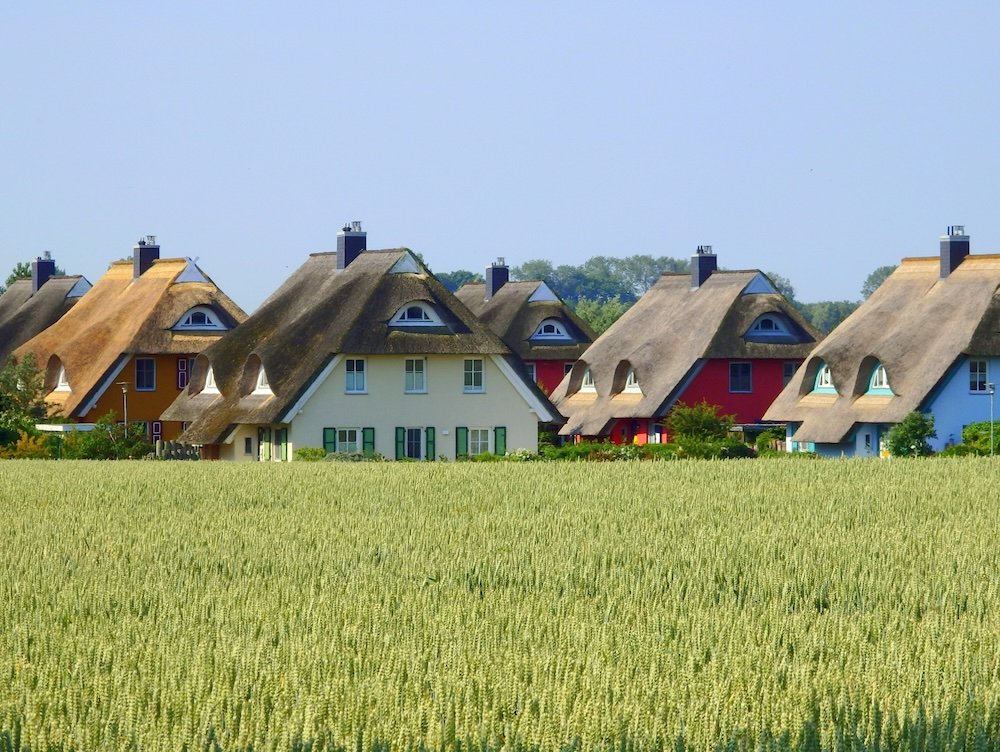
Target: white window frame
[263,386]
[587,383]
[631,382]
[532,372]
[749,365]
[210,385]
[880,380]
[211,323]
[62,383]
[429,316]
[351,369]
[979,376]
[422,433]
[410,385]
[151,361]
[479,432]
[824,378]
[347,444]
[559,330]
[777,326]
[469,371]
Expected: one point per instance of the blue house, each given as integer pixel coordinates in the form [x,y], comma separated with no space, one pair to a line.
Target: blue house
[928,339]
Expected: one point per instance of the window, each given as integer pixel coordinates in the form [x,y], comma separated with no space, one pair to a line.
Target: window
[631,382]
[62,385]
[355,376]
[247,445]
[200,318]
[550,329]
[824,380]
[978,376]
[157,431]
[416,377]
[879,380]
[587,382]
[416,314]
[262,386]
[788,369]
[479,441]
[348,440]
[740,378]
[530,368]
[473,375]
[185,367]
[414,443]
[145,374]
[210,387]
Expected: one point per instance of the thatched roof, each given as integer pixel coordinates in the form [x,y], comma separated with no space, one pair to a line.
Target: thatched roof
[318,312]
[916,325]
[23,314]
[121,316]
[665,335]
[514,316]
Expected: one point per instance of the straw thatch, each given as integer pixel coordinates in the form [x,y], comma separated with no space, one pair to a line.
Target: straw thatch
[318,312]
[664,337]
[120,317]
[512,315]
[917,326]
[23,314]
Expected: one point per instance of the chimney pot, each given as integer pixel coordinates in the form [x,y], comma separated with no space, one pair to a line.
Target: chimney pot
[703,263]
[954,249]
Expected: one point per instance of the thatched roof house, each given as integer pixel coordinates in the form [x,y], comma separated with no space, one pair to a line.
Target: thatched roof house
[727,337]
[918,330]
[368,311]
[532,320]
[138,309]
[29,306]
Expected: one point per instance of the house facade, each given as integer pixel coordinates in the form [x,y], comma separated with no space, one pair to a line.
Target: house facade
[725,337]
[361,352]
[534,322]
[928,339]
[29,306]
[129,345]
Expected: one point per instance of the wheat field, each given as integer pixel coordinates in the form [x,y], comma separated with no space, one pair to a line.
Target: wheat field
[757,605]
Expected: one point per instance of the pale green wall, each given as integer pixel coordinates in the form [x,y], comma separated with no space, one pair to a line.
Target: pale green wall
[444,406]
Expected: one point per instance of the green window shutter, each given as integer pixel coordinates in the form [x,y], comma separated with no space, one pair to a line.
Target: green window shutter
[368,441]
[431,454]
[266,444]
[500,440]
[400,443]
[282,437]
[329,440]
[462,442]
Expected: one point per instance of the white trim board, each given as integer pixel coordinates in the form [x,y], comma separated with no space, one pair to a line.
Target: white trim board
[536,405]
[315,384]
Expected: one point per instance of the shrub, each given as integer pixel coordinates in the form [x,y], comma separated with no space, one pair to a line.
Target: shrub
[310,454]
[765,442]
[908,438]
[976,436]
[353,457]
[701,421]
[108,441]
[28,447]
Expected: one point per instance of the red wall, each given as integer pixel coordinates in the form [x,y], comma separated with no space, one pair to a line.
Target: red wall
[712,385]
[548,373]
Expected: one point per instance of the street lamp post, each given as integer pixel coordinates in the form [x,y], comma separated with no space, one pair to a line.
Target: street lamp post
[124,386]
[991,389]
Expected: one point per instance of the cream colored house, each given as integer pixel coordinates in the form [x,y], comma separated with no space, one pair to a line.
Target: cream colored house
[361,351]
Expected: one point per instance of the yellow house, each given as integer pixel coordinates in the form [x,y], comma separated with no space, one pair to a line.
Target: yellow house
[361,351]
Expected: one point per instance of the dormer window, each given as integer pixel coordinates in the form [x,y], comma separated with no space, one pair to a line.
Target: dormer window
[62,384]
[587,382]
[631,382]
[879,382]
[824,380]
[200,318]
[768,325]
[262,386]
[210,386]
[416,314]
[550,329]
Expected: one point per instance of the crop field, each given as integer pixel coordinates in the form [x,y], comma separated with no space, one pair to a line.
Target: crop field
[766,604]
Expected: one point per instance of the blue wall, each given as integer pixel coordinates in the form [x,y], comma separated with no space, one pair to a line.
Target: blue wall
[954,407]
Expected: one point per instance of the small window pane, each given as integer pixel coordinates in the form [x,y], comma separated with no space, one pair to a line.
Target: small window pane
[479,441]
[414,445]
[355,375]
[415,380]
[347,440]
[739,377]
[145,374]
[473,375]
[978,377]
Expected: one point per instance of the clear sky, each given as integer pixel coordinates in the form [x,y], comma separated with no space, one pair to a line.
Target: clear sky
[814,140]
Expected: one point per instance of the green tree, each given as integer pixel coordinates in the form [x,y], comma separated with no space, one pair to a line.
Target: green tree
[454,280]
[783,284]
[108,440]
[700,421]
[874,280]
[601,314]
[827,314]
[908,438]
[22,399]
[22,270]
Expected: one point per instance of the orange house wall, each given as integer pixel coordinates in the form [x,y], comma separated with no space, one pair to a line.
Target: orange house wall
[145,405]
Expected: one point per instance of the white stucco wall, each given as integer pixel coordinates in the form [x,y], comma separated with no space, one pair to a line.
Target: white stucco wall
[235,449]
[444,406]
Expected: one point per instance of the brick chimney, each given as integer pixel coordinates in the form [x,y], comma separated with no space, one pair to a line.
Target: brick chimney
[41,269]
[703,263]
[352,241]
[144,253]
[497,275]
[954,249]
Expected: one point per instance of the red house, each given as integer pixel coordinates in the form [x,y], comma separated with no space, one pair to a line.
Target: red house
[726,337]
[532,321]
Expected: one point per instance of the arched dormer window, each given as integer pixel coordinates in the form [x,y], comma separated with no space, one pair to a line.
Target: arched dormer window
[417,313]
[824,380]
[55,376]
[587,381]
[551,329]
[254,380]
[202,378]
[631,382]
[262,387]
[768,325]
[879,381]
[210,386]
[200,319]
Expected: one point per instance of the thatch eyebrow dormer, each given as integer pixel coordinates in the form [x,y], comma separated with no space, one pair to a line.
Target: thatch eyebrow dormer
[416,313]
[200,319]
[551,328]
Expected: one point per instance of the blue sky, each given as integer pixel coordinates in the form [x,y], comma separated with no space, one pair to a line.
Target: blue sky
[816,142]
